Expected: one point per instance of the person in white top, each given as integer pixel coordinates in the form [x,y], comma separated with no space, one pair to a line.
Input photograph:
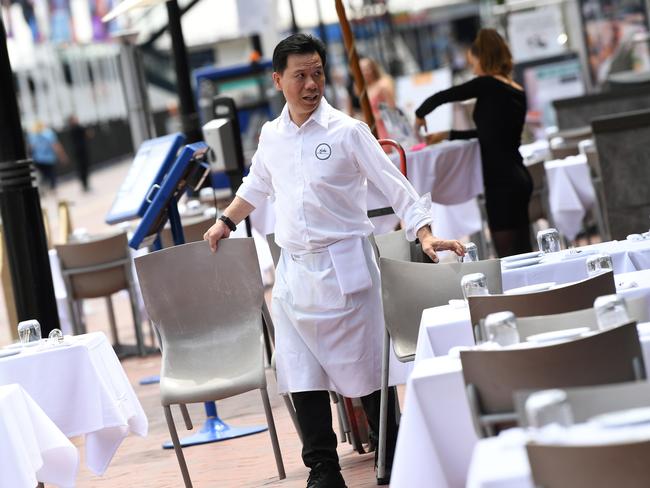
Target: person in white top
[315,161]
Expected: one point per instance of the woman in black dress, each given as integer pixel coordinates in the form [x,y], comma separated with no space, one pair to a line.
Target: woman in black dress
[499,116]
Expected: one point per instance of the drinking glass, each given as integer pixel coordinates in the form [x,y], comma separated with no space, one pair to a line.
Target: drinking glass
[471,253]
[29,331]
[599,263]
[548,240]
[474,284]
[548,407]
[55,337]
[611,311]
[501,327]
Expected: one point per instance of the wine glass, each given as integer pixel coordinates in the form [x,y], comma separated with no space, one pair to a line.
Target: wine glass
[611,311]
[599,263]
[471,253]
[501,327]
[474,284]
[548,240]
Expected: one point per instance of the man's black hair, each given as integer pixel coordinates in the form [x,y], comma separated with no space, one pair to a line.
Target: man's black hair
[297,44]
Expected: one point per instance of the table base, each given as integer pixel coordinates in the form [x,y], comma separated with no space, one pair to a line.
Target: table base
[216,430]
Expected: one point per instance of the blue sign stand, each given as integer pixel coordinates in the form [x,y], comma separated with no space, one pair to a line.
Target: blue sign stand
[189,169]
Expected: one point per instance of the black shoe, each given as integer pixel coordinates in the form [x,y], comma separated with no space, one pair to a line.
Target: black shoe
[324,476]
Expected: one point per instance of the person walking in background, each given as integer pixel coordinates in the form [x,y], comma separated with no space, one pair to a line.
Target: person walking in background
[46,152]
[381,89]
[79,136]
[499,116]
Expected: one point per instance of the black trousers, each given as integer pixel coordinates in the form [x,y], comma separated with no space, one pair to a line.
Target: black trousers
[315,419]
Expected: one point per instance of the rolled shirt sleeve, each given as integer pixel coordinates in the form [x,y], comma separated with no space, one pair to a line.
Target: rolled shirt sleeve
[372,161]
[256,187]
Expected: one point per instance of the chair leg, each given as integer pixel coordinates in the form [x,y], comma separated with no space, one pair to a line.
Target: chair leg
[343,419]
[186,416]
[111,321]
[272,432]
[177,446]
[383,408]
[292,414]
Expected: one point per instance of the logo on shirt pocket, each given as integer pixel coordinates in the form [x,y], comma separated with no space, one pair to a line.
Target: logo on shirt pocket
[323,151]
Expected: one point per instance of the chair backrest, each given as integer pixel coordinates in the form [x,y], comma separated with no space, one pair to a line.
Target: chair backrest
[193,230]
[625,169]
[637,310]
[595,466]
[586,402]
[95,267]
[275,249]
[394,245]
[208,310]
[612,356]
[567,298]
[408,288]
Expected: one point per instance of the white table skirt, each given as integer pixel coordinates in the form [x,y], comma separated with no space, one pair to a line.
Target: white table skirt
[32,448]
[84,390]
[437,436]
[571,193]
[627,256]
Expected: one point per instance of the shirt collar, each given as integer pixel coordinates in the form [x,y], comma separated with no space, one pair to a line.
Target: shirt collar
[321,115]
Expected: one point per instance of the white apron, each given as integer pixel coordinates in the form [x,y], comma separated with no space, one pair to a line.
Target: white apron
[327,340]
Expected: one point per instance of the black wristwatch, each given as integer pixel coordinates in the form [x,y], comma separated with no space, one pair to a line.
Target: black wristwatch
[231,225]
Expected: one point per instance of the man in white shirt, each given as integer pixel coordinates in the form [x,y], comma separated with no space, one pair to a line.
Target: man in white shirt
[314,161]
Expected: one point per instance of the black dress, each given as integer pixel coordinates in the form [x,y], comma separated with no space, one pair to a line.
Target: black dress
[499,116]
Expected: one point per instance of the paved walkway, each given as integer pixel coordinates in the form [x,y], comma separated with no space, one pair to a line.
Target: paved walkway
[239,463]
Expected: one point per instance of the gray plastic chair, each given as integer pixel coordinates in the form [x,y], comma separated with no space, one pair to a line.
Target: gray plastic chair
[622,465]
[527,326]
[99,267]
[586,402]
[208,310]
[394,245]
[566,298]
[407,289]
[493,376]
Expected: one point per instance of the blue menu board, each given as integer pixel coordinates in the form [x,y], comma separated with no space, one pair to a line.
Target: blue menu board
[151,163]
[174,183]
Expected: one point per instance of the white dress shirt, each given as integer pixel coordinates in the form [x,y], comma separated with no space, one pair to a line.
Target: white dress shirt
[317,174]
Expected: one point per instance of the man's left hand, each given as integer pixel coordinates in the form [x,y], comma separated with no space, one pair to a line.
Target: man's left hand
[431,244]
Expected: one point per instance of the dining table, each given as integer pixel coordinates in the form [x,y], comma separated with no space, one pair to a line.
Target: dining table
[82,388]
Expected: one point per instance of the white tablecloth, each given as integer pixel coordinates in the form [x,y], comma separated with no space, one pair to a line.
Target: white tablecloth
[83,389]
[32,448]
[561,267]
[436,435]
[571,193]
[451,172]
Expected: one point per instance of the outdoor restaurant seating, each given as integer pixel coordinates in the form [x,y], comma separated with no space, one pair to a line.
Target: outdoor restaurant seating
[210,327]
[492,376]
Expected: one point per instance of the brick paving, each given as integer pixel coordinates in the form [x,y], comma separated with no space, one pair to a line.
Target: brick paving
[239,463]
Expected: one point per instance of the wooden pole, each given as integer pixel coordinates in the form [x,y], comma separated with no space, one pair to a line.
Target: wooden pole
[353,56]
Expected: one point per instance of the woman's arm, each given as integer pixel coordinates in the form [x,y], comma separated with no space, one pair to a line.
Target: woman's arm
[471,89]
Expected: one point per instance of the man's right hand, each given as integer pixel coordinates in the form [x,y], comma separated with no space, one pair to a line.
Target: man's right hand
[215,233]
